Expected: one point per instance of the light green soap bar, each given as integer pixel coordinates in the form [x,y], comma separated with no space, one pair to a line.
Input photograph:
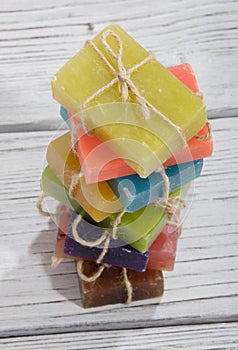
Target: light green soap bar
[149,143]
[141,228]
[54,188]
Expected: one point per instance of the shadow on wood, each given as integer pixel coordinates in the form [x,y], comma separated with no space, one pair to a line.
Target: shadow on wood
[64,277]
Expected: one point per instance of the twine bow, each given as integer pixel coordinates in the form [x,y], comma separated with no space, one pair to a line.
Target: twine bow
[123,77]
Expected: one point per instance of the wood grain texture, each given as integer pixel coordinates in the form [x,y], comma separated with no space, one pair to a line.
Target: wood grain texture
[207,337]
[37,38]
[40,306]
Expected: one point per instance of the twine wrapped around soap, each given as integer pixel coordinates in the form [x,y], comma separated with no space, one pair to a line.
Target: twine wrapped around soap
[98,273]
[39,206]
[123,77]
[207,135]
[106,238]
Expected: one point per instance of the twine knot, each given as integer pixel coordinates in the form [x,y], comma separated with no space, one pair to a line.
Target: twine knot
[123,77]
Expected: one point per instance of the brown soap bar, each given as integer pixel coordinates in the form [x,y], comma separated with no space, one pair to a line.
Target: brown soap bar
[110,287]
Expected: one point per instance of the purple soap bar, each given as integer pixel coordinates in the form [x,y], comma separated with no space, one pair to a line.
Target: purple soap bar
[118,254]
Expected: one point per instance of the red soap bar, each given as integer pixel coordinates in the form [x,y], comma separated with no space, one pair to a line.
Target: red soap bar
[185,74]
[162,253]
[100,163]
[63,223]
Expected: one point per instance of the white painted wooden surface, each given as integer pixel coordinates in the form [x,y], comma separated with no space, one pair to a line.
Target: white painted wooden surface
[40,306]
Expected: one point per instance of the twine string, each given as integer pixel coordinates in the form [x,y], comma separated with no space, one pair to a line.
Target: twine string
[74,183]
[39,206]
[207,135]
[55,261]
[123,76]
[93,277]
[128,286]
[99,272]
[105,237]
[82,241]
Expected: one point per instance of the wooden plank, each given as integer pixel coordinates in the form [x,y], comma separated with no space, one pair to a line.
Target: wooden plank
[36,299]
[207,337]
[37,38]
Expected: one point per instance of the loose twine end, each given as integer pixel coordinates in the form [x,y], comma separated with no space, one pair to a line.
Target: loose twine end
[128,286]
[39,205]
[55,261]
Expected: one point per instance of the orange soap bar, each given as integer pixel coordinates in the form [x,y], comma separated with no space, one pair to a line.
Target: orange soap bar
[100,163]
[198,148]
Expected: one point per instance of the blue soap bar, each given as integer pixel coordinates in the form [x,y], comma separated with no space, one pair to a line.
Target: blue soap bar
[118,254]
[64,115]
[135,193]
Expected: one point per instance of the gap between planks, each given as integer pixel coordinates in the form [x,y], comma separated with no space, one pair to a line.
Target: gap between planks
[54,125]
[206,336]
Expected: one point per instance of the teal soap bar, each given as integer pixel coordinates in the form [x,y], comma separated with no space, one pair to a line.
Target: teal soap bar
[135,193]
[64,115]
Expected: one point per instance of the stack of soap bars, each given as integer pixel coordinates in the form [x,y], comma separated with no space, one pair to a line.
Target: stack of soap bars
[137,137]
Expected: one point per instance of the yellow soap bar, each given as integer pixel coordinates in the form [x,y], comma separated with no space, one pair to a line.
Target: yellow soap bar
[149,143]
[98,200]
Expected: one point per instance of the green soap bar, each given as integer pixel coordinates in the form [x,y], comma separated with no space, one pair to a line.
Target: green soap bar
[141,228]
[53,187]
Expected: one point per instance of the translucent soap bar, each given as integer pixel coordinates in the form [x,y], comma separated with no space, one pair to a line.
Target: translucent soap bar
[54,188]
[138,229]
[98,200]
[162,253]
[198,148]
[143,144]
[100,163]
[135,193]
[110,288]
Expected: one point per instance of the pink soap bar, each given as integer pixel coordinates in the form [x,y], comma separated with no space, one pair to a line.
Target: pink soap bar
[162,253]
[100,163]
